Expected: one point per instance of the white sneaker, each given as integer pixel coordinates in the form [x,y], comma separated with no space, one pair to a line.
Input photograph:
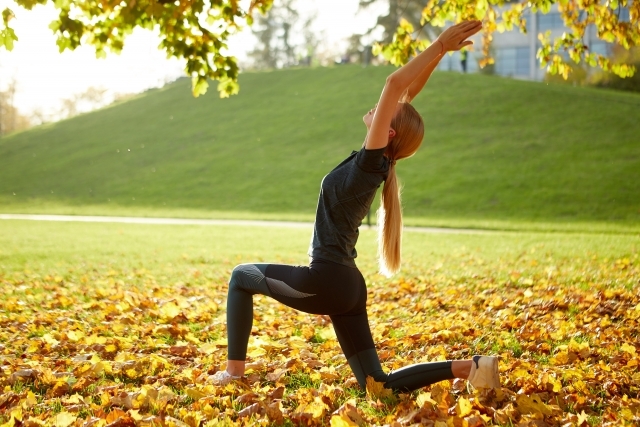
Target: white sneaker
[484,372]
[222,378]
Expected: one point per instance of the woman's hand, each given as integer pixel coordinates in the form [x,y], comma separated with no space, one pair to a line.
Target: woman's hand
[455,37]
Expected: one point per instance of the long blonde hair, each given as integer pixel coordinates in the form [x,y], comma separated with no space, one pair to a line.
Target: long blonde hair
[409,132]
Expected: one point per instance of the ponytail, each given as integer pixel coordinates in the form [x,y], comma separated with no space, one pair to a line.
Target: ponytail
[390,226]
[409,132]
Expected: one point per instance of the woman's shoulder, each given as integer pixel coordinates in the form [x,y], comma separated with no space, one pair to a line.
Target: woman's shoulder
[372,160]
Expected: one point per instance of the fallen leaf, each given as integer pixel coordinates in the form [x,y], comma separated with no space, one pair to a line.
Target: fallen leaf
[65,419]
[376,390]
[532,405]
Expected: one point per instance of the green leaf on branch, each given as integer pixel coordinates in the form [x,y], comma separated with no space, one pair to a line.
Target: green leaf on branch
[7,37]
[199,85]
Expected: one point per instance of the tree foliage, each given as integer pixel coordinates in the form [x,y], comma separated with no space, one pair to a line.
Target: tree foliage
[409,10]
[498,15]
[194,30]
[198,30]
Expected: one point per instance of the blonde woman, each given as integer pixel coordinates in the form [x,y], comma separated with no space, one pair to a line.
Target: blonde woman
[332,284]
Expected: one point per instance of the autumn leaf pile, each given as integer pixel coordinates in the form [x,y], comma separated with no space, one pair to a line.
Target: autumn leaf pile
[106,348]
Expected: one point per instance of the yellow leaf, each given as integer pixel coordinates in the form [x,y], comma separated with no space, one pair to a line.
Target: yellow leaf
[30,400]
[627,348]
[65,419]
[316,408]
[627,414]
[327,334]
[463,407]
[75,335]
[74,400]
[582,418]
[349,411]
[209,411]
[98,367]
[425,398]
[49,339]
[341,420]
[105,398]
[561,358]
[548,379]
[497,302]
[582,349]
[256,352]
[376,390]
[170,310]
[118,328]
[95,339]
[135,414]
[194,393]
[532,405]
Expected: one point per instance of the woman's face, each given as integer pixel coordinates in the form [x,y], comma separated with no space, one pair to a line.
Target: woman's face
[368,118]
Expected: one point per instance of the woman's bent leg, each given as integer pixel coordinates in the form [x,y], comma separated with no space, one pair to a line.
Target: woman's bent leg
[300,287]
[355,338]
[246,281]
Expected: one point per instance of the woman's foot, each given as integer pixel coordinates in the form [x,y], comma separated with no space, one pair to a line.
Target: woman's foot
[222,378]
[484,372]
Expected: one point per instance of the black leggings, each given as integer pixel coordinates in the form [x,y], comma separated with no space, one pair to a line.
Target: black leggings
[322,288]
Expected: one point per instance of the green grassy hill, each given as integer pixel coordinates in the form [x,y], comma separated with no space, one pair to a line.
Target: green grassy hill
[496,151]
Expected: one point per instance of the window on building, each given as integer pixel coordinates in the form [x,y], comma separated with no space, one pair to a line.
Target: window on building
[527,17]
[624,15]
[513,61]
[600,47]
[549,21]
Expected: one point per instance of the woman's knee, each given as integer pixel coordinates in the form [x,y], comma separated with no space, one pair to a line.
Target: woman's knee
[247,277]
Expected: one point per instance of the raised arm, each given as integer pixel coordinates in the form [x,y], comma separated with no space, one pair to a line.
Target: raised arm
[400,81]
[417,85]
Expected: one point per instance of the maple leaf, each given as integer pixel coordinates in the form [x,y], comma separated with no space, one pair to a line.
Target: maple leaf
[376,390]
[347,415]
[463,407]
[342,420]
[532,405]
[64,419]
[315,409]
[424,398]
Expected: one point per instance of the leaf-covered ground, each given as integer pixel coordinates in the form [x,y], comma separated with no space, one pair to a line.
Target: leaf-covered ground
[94,345]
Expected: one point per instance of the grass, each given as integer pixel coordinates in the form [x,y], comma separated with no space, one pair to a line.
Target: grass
[142,254]
[498,153]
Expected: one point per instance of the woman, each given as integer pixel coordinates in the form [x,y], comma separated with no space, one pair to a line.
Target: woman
[332,284]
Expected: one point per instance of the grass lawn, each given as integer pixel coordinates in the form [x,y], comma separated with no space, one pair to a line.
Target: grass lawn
[498,153]
[106,323]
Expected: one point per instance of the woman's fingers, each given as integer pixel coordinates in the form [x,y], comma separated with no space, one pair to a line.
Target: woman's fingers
[470,28]
[454,37]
